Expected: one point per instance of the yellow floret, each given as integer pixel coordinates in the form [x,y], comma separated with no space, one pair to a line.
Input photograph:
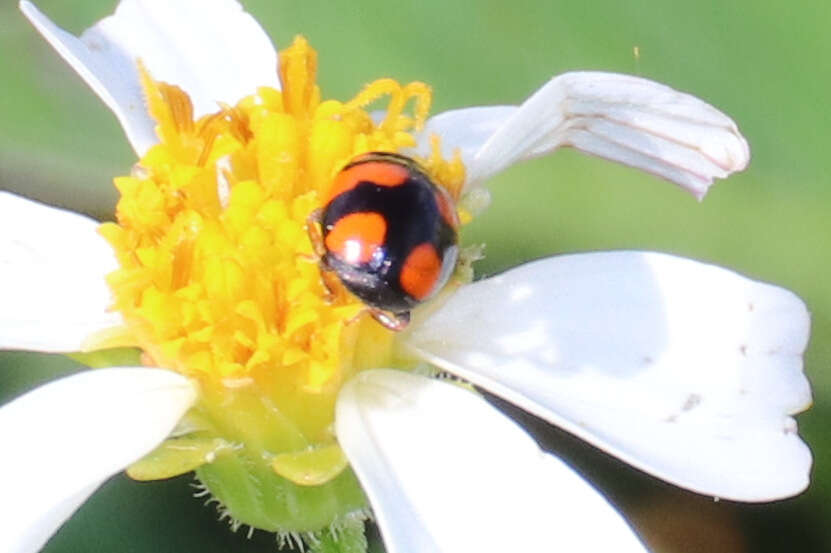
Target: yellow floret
[218,279]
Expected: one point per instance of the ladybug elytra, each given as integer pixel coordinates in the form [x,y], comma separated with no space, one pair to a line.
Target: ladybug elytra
[389,234]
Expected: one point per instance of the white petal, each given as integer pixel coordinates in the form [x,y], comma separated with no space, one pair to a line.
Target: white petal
[212,49]
[464,129]
[62,440]
[446,472]
[52,268]
[626,119]
[685,370]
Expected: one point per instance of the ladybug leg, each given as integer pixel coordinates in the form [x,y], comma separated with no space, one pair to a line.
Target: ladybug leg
[313,222]
[330,281]
[393,321]
[357,317]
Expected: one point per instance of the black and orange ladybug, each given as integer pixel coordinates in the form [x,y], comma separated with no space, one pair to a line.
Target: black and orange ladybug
[389,233]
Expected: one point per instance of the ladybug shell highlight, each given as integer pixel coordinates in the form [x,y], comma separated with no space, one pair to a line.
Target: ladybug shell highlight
[389,232]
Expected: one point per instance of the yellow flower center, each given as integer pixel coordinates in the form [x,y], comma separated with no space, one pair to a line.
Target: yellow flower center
[218,280]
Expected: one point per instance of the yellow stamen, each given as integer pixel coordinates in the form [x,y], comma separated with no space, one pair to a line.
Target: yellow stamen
[218,279]
[298,72]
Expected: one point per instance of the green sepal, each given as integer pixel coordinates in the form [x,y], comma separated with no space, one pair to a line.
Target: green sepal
[177,456]
[115,357]
[311,467]
[349,537]
[251,492]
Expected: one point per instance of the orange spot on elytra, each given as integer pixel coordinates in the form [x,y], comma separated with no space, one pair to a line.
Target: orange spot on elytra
[420,271]
[357,236]
[382,173]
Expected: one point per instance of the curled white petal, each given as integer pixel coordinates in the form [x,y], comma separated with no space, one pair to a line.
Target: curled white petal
[464,129]
[685,370]
[52,267]
[445,471]
[62,440]
[212,49]
[627,119]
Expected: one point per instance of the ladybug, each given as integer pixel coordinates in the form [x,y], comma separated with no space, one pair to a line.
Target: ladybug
[389,234]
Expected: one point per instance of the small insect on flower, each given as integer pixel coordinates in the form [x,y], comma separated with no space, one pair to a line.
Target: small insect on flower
[389,234]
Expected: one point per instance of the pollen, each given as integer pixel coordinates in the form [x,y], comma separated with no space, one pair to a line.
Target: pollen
[218,279]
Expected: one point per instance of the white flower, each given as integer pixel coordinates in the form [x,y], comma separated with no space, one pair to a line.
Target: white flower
[687,371]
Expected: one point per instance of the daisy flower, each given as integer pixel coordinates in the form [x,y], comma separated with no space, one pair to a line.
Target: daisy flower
[303,416]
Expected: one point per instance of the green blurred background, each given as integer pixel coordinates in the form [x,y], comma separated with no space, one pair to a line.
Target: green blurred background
[765,64]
